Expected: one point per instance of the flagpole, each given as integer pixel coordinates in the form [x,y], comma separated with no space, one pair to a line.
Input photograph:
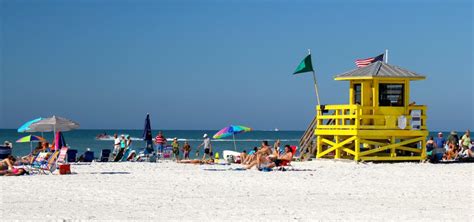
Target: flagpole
[315,83]
[386,56]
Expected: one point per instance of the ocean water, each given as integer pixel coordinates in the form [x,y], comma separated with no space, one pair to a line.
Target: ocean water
[83,139]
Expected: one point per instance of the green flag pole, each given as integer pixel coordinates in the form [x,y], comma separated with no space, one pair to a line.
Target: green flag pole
[315,83]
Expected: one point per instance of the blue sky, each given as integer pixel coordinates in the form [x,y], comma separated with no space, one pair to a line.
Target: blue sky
[206,64]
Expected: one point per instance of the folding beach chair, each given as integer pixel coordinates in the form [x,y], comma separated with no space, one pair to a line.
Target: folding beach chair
[88,156]
[62,155]
[5,151]
[287,165]
[45,162]
[104,155]
[71,156]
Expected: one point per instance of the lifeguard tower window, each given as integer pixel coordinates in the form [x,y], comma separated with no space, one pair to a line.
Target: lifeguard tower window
[358,94]
[391,94]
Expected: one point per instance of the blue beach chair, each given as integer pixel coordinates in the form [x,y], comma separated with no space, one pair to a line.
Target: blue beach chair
[71,156]
[88,156]
[104,155]
[5,151]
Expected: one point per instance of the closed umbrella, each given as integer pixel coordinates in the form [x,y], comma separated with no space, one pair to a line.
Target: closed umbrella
[59,141]
[147,136]
[231,131]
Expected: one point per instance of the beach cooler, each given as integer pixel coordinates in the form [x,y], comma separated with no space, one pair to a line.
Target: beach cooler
[64,168]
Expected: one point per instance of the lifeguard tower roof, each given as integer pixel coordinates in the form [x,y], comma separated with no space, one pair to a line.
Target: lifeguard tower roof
[379,70]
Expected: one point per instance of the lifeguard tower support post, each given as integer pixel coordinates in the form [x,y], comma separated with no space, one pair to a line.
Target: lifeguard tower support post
[378,124]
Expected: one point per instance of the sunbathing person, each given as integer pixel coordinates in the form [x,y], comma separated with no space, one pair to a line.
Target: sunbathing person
[13,172]
[283,159]
[261,156]
[243,156]
[197,161]
[7,163]
[250,156]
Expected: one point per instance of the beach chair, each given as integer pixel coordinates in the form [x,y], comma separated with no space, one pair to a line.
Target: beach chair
[88,156]
[104,155]
[71,155]
[62,158]
[45,163]
[287,165]
[5,151]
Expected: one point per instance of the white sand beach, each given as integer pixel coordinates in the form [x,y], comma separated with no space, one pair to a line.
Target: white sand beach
[320,190]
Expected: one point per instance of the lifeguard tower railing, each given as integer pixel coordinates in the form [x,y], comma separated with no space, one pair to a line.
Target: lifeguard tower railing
[368,133]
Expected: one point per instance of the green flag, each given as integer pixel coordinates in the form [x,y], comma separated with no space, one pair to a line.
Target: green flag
[305,65]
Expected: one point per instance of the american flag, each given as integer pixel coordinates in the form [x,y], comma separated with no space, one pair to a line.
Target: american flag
[365,62]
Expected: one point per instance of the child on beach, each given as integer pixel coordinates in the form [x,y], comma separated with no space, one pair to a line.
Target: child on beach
[186,150]
[175,146]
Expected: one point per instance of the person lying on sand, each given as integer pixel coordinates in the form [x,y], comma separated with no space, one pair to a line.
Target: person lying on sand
[197,161]
[13,172]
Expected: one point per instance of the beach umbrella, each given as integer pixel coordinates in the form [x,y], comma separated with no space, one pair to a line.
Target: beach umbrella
[53,124]
[26,126]
[30,139]
[231,131]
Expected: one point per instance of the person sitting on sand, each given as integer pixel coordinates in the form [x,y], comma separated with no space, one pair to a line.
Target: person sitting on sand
[7,163]
[430,145]
[262,156]
[243,156]
[186,150]
[251,156]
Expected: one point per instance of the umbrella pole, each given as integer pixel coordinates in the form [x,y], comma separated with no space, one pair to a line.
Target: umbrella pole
[235,147]
[31,147]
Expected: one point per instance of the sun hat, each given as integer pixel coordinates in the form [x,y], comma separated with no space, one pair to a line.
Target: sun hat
[205,135]
[440,133]
[453,133]
[175,138]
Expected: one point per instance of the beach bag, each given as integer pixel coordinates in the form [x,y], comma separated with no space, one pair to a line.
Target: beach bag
[152,159]
[230,159]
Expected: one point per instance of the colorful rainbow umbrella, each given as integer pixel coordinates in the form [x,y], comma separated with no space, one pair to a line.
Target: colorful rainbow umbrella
[231,131]
[30,139]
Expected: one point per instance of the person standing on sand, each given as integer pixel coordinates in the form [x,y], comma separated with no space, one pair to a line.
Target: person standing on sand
[207,147]
[186,150]
[116,145]
[160,142]
[175,146]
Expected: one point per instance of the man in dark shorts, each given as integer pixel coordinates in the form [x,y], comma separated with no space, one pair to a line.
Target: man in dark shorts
[207,147]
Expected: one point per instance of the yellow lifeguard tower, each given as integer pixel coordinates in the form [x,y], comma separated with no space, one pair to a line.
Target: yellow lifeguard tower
[379,123]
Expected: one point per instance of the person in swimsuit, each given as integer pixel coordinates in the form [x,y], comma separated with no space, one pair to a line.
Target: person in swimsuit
[283,159]
[197,161]
[175,146]
[261,156]
[206,143]
[186,150]
[7,163]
